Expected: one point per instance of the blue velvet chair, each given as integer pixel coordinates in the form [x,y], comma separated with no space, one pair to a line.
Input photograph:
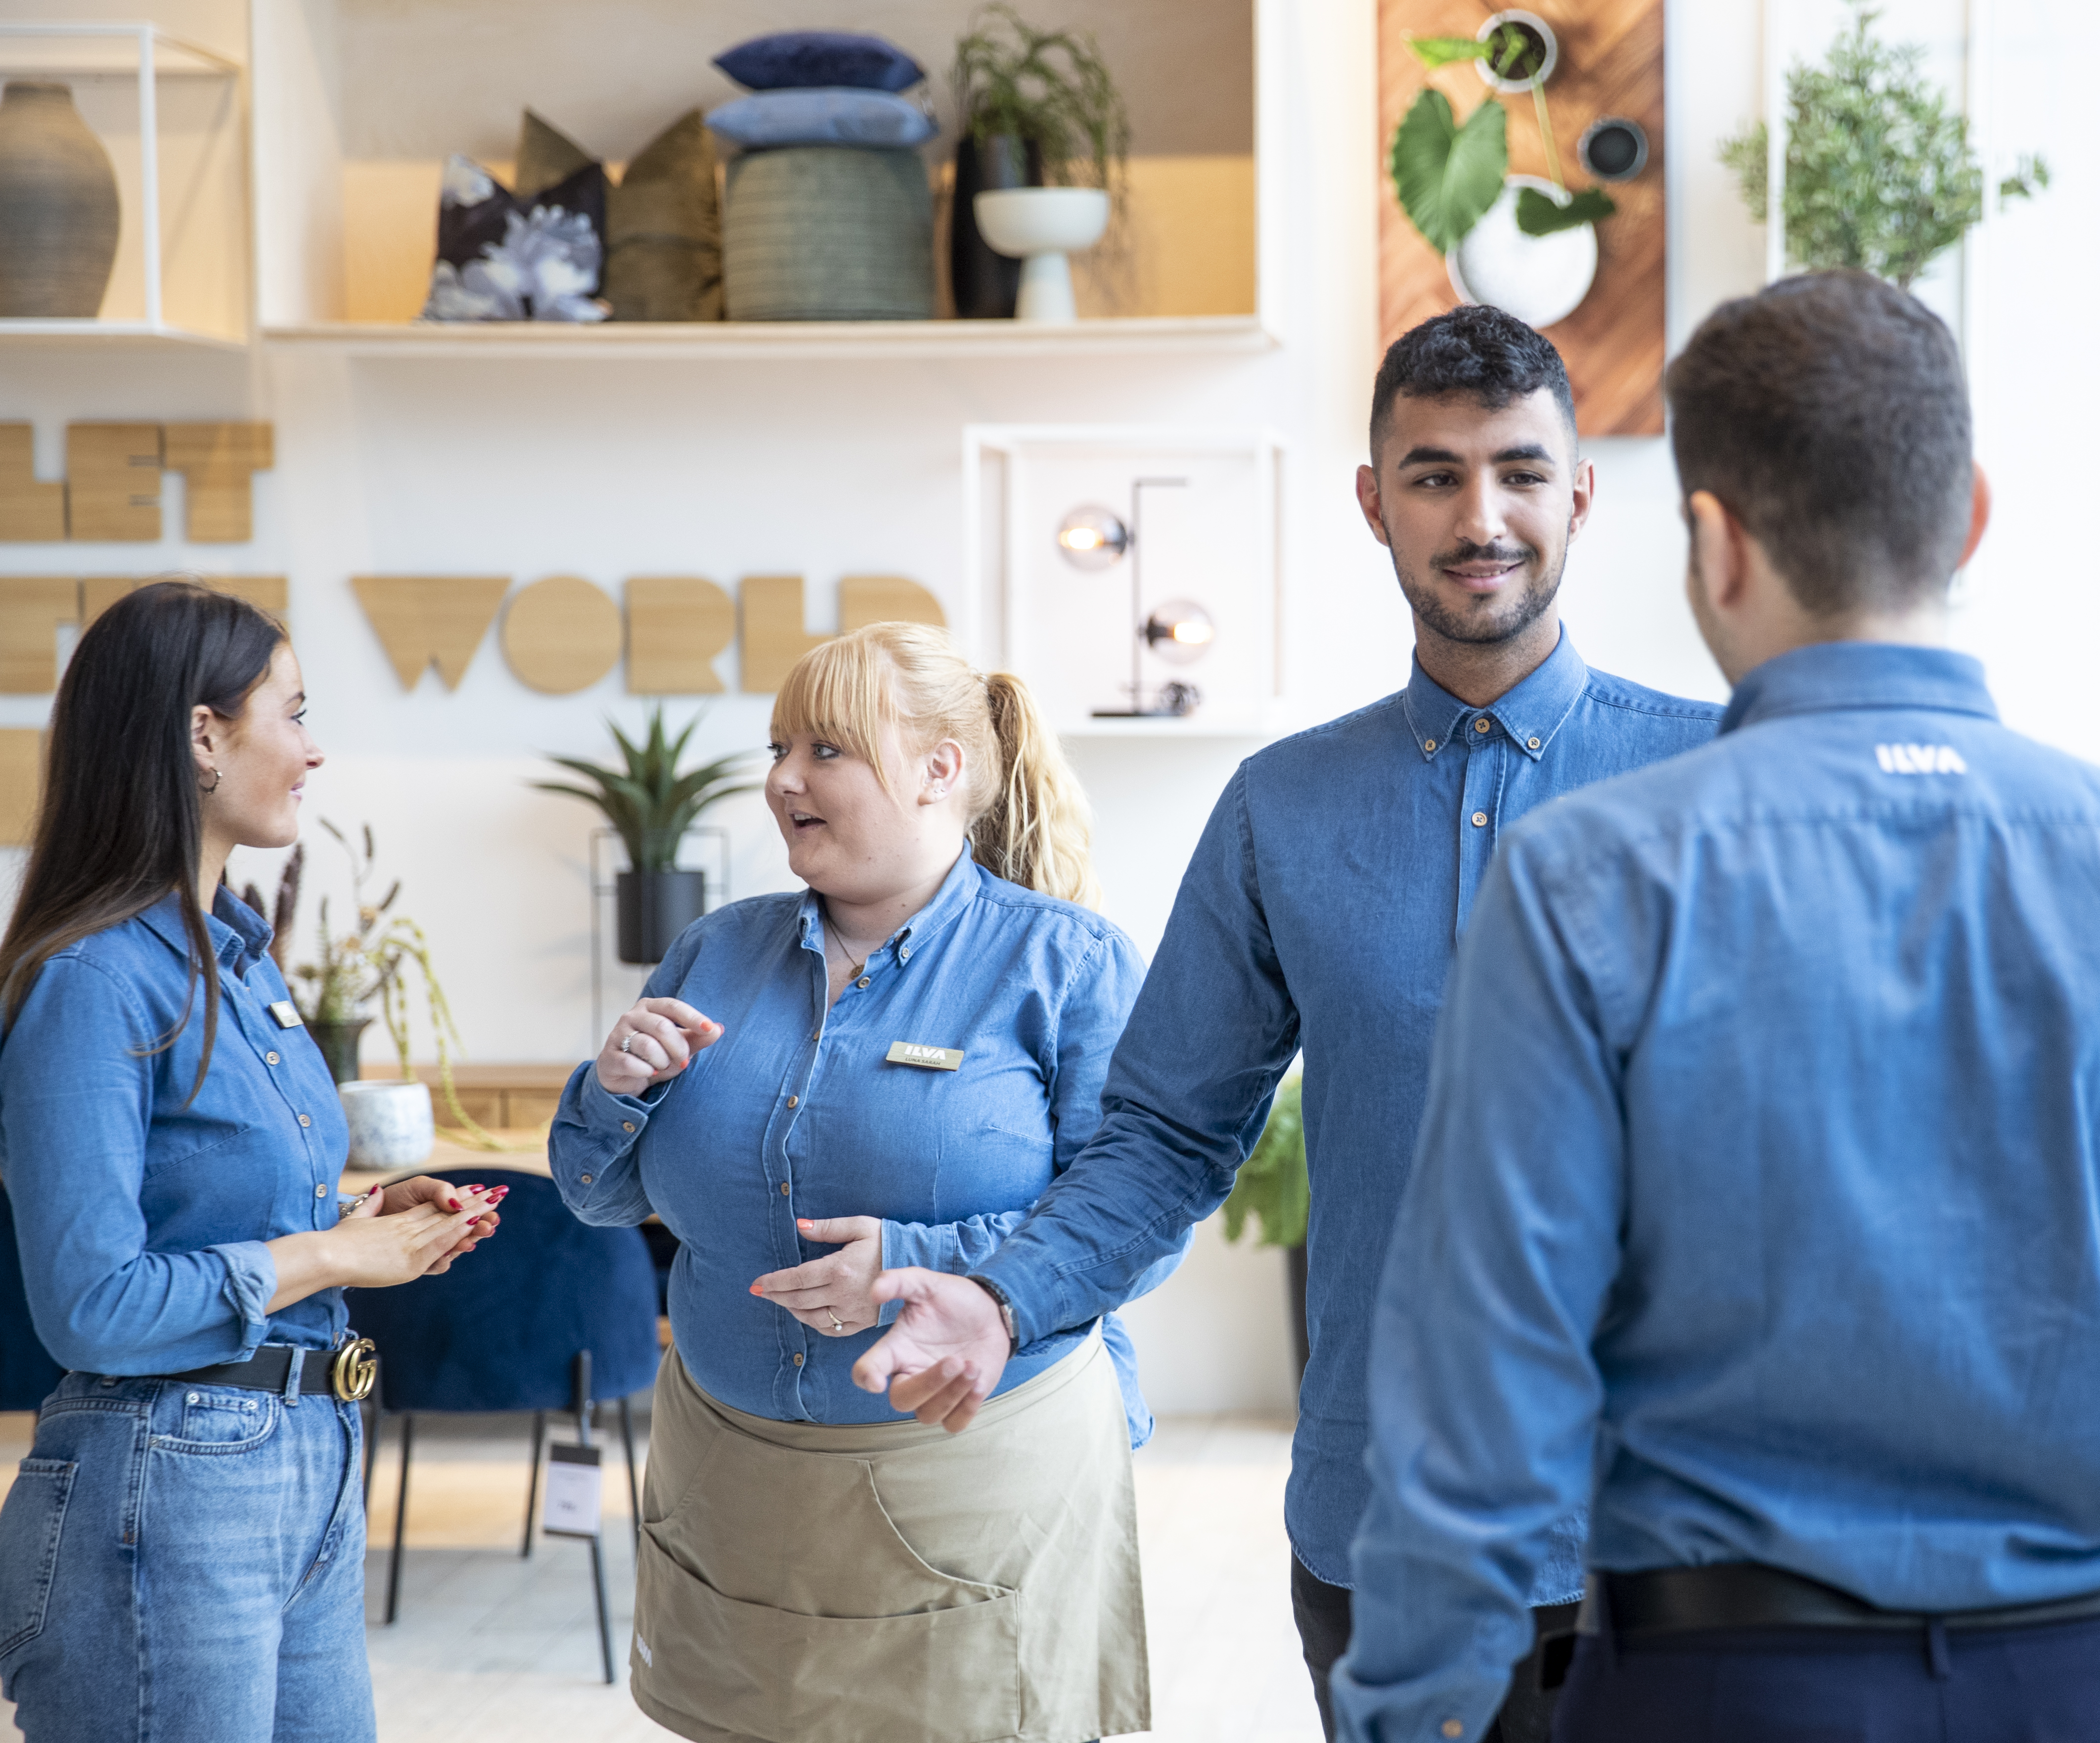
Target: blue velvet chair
[28,1375]
[549,1315]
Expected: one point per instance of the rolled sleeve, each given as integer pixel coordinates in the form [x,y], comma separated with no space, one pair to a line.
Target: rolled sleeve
[593,1149]
[958,1248]
[251,1280]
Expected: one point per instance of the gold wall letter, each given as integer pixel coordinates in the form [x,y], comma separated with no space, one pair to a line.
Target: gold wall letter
[21,784]
[562,635]
[98,593]
[774,637]
[423,618]
[113,481]
[676,625]
[31,608]
[30,512]
[865,599]
[216,460]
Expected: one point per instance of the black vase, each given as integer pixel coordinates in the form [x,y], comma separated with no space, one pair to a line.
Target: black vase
[1294,1258]
[987,285]
[338,1045]
[655,908]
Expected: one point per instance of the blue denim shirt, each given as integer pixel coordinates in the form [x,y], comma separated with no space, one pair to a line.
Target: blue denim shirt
[1320,911]
[1759,1187]
[795,1113]
[141,1214]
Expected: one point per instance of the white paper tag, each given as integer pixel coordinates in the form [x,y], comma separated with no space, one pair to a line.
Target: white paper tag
[575,1492]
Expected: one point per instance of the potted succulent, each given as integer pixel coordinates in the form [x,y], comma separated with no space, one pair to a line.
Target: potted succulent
[651,803]
[1879,174]
[1036,106]
[1272,1187]
[1524,243]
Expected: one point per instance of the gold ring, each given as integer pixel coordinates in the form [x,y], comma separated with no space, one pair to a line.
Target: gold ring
[355,1367]
[837,1324]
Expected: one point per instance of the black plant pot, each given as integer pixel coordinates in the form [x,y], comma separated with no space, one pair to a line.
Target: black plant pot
[986,284]
[338,1045]
[1294,1258]
[655,908]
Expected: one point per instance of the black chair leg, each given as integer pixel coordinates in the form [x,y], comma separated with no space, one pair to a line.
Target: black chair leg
[633,1488]
[401,1518]
[532,1482]
[604,1615]
[373,1423]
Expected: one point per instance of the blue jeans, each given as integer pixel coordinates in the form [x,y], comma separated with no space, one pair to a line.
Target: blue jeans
[186,1564]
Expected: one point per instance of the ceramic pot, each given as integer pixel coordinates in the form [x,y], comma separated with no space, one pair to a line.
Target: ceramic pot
[390,1126]
[1540,280]
[655,908]
[1542,51]
[1043,225]
[339,1045]
[986,283]
[59,208]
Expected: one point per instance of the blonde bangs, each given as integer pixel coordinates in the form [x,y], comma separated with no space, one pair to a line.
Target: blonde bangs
[844,692]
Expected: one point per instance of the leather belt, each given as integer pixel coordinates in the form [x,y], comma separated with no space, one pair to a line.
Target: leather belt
[1746,1594]
[347,1373]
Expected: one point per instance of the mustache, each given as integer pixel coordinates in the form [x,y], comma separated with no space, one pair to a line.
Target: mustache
[1465,551]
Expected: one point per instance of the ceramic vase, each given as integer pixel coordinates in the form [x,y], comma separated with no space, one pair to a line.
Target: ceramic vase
[338,1043]
[1540,280]
[390,1126]
[986,283]
[1040,226]
[655,908]
[59,208]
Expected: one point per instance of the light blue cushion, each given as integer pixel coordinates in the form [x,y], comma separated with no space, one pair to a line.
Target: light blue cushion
[824,115]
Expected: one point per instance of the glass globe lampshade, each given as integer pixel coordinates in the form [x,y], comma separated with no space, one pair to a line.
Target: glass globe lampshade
[1179,632]
[1092,538]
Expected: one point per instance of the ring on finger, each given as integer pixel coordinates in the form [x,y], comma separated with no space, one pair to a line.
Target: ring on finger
[837,1324]
[628,1045]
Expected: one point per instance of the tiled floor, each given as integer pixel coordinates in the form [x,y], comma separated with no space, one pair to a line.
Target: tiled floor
[492,1646]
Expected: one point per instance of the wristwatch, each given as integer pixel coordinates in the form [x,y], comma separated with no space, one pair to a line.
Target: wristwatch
[1005,1311]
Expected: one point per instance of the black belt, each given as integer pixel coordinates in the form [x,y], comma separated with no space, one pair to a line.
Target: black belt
[347,1373]
[1745,1595]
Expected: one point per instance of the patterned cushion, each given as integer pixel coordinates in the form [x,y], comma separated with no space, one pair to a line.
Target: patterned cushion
[829,233]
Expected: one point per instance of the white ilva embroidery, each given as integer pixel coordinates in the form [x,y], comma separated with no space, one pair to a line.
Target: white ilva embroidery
[1920,759]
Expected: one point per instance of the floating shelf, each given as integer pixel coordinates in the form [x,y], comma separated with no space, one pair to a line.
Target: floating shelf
[776,339]
[90,332]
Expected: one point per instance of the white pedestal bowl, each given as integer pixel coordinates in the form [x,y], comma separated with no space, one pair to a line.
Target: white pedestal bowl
[1540,280]
[1040,226]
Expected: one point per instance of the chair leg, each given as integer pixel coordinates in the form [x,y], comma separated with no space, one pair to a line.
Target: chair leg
[633,1488]
[373,1423]
[401,1518]
[604,1614]
[532,1482]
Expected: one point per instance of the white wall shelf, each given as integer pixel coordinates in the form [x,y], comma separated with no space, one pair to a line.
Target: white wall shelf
[66,332]
[779,339]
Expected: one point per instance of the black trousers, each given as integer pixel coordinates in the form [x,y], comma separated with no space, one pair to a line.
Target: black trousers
[1322,1612]
[1833,1685]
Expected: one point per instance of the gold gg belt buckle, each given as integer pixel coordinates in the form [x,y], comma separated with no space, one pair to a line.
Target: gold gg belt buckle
[355,1367]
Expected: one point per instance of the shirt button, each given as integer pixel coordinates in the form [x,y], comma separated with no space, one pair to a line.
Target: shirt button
[794,1101]
[586,1179]
[1480,819]
[627,1125]
[1429,744]
[798,1358]
[861,981]
[1482,724]
[321,1192]
[1453,1728]
[305,1121]
[269,1059]
[783,1189]
[905,953]
[1531,743]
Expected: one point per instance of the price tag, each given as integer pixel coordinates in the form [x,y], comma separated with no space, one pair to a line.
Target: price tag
[575,1492]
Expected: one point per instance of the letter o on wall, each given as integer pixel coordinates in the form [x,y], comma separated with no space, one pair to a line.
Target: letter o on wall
[562,634]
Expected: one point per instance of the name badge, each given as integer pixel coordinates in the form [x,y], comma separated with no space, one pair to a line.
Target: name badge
[933,1058]
[287,1014]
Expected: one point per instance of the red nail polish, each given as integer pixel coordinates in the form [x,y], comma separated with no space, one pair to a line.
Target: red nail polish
[757,1290]
[453,1203]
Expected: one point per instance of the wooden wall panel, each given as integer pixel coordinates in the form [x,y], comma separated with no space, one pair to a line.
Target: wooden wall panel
[677,625]
[31,511]
[1611,63]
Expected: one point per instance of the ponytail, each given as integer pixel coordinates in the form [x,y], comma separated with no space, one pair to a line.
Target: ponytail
[1037,830]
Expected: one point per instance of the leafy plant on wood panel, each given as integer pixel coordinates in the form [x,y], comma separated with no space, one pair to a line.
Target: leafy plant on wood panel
[650,800]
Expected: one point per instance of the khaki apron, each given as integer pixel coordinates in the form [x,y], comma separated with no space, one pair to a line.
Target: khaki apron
[800,1582]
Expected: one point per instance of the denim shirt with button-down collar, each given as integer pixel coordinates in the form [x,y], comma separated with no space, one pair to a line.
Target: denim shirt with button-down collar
[141,1214]
[796,1112]
[1321,911]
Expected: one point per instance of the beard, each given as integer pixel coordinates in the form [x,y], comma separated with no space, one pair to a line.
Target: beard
[1489,622]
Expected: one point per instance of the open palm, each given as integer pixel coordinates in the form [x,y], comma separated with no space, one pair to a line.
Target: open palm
[943,1356]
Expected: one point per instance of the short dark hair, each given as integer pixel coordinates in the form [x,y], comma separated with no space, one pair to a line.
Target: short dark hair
[1829,414]
[1472,349]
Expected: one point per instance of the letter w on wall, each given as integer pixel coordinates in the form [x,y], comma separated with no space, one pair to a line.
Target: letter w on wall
[431,619]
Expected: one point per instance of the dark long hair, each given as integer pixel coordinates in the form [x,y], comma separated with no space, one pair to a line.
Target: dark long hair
[121,824]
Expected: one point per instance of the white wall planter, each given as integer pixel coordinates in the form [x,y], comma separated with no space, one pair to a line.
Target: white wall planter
[1540,280]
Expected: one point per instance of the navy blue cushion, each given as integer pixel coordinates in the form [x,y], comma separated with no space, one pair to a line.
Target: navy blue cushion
[28,1375]
[790,58]
[836,116]
[499,1330]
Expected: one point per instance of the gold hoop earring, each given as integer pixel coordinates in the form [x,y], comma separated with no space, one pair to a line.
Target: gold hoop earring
[217,776]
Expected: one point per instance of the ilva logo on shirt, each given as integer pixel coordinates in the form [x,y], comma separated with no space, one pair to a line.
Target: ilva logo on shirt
[1920,759]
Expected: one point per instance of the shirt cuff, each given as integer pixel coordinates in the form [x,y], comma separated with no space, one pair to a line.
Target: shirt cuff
[931,1247]
[251,1280]
[1029,1285]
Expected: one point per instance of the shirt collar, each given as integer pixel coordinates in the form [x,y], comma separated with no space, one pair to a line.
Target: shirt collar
[1829,676]
[956,891]
[1530,713]
[238,934]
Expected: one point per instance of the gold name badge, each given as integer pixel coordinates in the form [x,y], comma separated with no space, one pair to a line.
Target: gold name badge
[287,1014]
[933,1058]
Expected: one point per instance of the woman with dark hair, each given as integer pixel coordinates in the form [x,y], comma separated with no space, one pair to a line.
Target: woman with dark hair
[181,1556]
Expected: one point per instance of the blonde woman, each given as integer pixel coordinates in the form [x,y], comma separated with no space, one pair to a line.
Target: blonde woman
[886,1070]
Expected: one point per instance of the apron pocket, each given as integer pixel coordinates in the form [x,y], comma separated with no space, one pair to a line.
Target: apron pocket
[935,1676]
[30,1522]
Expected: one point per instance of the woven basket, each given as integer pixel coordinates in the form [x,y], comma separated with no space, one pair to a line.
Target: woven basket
[828,233]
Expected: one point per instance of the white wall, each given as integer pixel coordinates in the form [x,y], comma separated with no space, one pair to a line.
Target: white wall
[721,468]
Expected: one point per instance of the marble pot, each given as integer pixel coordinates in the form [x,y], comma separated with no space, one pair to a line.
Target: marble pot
[390,1126]
[58,208]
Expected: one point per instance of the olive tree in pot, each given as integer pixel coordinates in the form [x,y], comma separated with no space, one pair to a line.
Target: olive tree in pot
[1036,106]
[651,803]
[1274,1188]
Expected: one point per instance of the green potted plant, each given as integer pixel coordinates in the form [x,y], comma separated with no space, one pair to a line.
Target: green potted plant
[650,802]
[1036,106]
[1879,174]
[1524,243]
[1272,1188]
